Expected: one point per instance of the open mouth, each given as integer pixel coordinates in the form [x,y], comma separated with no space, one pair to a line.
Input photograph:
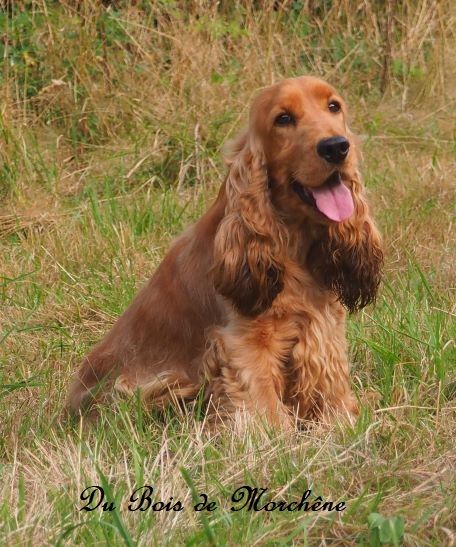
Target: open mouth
[333,199]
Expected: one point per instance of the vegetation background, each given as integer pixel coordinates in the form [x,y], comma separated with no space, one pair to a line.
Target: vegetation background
[112,118]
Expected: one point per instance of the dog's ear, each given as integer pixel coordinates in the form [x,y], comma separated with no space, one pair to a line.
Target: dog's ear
[250,241]
[348,258]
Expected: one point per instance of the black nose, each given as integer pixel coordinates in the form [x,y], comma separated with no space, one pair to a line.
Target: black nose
[334,149]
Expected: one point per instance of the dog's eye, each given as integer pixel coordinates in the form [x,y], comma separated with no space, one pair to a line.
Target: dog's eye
[284,119]
[334,106]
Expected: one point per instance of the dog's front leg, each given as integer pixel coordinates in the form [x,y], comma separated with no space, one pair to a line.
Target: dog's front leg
[249,358]
[322,387]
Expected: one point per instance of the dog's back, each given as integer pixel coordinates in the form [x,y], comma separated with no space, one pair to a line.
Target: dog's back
[158,341]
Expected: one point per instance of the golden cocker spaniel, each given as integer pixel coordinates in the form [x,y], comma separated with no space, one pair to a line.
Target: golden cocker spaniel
[248,304]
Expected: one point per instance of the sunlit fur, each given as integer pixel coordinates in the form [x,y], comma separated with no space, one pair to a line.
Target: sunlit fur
[248,304]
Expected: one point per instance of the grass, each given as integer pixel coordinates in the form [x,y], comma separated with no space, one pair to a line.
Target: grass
[112,120]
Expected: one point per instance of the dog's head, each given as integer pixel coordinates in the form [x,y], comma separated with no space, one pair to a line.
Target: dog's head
[296,164]
[301,126]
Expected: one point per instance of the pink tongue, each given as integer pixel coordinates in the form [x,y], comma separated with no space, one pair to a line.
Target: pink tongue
[334,201]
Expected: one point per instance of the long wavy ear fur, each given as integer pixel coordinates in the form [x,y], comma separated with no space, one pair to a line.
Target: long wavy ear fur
[250,241]
[349,257]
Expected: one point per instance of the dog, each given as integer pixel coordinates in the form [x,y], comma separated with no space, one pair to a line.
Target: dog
[249,304]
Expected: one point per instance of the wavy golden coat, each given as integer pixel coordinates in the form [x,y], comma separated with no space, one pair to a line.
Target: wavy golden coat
[248,304]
